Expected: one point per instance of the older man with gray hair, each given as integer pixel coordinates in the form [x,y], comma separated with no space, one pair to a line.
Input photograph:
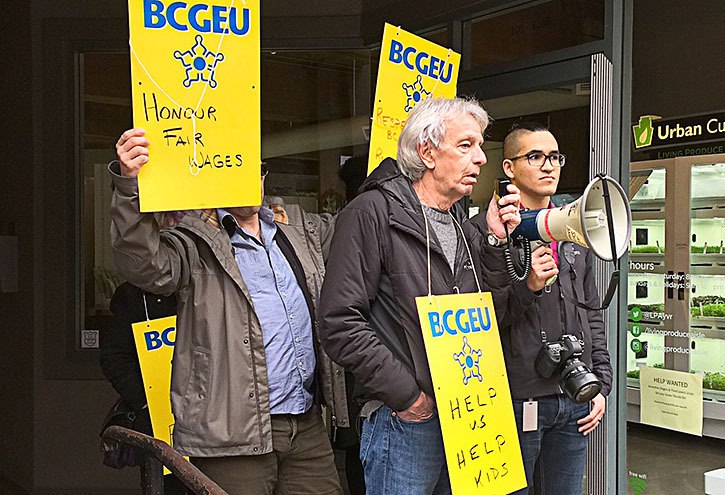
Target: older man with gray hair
[405,236]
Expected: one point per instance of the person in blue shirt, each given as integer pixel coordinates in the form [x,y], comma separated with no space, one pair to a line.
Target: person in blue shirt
[248,374]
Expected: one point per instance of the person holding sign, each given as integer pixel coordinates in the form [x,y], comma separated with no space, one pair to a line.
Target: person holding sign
[120,362]
[552,425]
[405,236]
[248,377]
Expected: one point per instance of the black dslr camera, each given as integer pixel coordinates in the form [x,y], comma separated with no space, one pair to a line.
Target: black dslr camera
[575,377]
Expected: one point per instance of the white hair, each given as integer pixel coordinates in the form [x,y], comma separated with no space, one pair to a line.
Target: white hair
[427,123]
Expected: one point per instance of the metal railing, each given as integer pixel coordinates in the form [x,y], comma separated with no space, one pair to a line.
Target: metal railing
[158,454]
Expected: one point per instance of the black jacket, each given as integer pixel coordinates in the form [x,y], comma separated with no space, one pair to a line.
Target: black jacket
[377,267]
[119,360]
[549,311]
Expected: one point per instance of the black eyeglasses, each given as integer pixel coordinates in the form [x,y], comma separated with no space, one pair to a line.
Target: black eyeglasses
[263,170]
[538,158]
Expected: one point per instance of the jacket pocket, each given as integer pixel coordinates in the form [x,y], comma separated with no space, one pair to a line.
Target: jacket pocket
[197,389]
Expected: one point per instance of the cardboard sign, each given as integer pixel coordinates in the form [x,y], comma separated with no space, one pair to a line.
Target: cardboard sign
[195,82]
[471,389]
[155,347]
[411,69]
[671,399]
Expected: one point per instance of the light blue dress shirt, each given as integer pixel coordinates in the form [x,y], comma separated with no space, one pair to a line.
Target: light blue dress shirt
[282,310]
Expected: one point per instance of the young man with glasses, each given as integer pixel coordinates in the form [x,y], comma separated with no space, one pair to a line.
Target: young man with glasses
[248,373]
[552,428]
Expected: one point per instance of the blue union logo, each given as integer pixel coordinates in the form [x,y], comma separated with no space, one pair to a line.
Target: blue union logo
[468,359]
[199,62]
[415,93]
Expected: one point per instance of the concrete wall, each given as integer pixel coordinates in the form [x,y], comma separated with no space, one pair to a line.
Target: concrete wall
[16,219]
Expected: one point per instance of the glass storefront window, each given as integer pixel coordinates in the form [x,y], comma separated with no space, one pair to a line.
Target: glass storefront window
[544,27]
[707,266]
[676,303]
[315,132]
[645,294]
[437,36]
[105,111]
[315,125]
[701,282]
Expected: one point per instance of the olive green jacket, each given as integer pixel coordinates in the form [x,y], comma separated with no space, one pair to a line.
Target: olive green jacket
[219,389]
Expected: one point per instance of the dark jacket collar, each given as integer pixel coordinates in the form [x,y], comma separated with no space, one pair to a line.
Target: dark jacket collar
[405,211]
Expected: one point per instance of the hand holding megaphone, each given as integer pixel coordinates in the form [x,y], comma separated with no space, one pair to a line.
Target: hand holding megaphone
[600,220]
[587,221]
[504,212]
[543,268]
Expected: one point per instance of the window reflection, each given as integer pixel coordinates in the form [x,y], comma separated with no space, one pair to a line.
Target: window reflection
[315,131]
[542,28]
[315,118]
[676,296]
[105,112]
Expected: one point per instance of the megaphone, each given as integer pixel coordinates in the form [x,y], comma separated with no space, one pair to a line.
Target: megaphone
[587,221]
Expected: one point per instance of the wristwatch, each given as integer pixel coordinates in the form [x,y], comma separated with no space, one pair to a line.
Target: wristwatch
[495,241]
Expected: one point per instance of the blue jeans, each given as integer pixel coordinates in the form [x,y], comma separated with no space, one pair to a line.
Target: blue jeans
[400,457]
[555,454]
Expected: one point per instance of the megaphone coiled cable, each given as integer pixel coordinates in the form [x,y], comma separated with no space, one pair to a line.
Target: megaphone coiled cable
[510,266]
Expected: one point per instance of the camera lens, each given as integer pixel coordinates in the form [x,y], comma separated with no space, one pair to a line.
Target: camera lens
[578,382]
[587,392]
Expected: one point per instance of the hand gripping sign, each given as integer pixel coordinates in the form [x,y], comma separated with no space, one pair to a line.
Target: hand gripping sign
[195,83]
[472,393]
[411,69]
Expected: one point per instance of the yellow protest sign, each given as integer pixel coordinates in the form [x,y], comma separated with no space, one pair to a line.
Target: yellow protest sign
[411,69]
[671,399]
[195,83]
[471,388]
[155,347]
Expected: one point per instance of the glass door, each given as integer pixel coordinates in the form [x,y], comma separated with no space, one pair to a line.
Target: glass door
[707,269]
[676,323]
[645,295]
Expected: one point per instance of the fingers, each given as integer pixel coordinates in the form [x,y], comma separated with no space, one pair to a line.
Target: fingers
[542,262]
[591,421]
[511,218]
[513,191]
[543,267]
[129,134]
[510,199]
[420,410]
[132,151]
[588,422]
[508,210]
[589,427]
